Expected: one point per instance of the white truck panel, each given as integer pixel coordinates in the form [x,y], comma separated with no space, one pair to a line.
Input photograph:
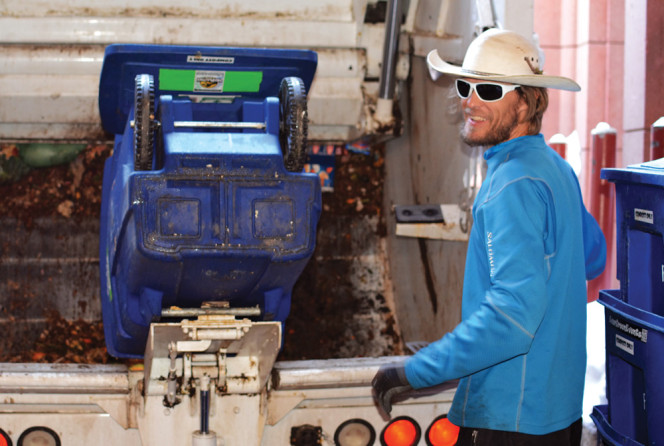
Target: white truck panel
[177,30]
[53,53]
[97,404]
[329,10]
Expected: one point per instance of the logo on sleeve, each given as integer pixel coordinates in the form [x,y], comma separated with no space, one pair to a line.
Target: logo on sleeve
[489,247]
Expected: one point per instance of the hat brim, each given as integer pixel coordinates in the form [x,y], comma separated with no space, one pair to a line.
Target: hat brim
[438,66]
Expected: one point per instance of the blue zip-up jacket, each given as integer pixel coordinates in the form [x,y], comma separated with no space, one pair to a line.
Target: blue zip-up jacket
[520,348]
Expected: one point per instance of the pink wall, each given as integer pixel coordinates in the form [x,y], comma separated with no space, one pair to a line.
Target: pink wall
[583,40]
[654,61]
[615,50]
[605,45]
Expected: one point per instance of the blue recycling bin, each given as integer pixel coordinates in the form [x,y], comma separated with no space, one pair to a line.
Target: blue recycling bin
[634,364]
[204,198]
[606,434]
[640,225]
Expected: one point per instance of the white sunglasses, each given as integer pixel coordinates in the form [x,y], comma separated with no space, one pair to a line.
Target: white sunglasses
[486,91]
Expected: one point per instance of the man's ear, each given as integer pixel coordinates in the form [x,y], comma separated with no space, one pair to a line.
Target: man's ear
[522,109]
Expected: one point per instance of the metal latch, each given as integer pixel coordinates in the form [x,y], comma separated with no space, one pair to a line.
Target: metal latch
[236,354]
[435,221]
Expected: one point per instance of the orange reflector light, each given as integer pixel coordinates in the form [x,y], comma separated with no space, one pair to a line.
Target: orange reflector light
[4,439]
[442,432]
[402,431]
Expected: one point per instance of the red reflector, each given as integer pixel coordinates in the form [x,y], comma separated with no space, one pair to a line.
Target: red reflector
[4,439]
[402,431]
[442,432]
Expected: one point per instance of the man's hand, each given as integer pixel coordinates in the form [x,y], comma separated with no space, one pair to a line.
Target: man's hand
[390,381]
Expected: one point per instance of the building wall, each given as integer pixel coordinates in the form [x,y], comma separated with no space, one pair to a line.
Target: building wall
[613,48]
[644,65]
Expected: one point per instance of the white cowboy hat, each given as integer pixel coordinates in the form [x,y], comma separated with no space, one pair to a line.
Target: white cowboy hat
[501,56]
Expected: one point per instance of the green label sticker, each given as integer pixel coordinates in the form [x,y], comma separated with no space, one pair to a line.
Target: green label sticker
[243,81]
[177,80]
[210,81]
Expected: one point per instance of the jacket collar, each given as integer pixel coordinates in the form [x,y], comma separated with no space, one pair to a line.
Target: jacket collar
[500,152]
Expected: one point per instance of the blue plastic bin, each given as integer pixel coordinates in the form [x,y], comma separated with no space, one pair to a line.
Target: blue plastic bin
[215,215]
[607,435]
[634,364]
[640,225]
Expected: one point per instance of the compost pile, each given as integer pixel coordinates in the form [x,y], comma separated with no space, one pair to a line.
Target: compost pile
[315,327]
[64,190]
[65,341]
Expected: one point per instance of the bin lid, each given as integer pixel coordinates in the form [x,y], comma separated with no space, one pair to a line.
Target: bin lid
[200,72]
[651,172]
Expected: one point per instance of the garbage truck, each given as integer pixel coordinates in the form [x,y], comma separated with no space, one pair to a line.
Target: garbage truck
[208,217]
[207,221]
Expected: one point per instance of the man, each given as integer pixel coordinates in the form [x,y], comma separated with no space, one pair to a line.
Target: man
[519,350]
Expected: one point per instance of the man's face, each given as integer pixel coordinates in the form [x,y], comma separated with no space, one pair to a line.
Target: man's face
[490,123]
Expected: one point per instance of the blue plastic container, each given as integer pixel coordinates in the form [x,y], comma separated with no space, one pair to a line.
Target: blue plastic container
[607,434]
[640,225]
[217,217]
[634,364]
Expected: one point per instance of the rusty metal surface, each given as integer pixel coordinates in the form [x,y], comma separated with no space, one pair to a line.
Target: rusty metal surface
[426,166]
[52,267]
[294,9]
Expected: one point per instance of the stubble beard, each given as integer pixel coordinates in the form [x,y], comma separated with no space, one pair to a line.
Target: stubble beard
[500,133]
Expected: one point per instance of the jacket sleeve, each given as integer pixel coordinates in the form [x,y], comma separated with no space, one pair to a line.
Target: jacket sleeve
[513,226]
[594,246]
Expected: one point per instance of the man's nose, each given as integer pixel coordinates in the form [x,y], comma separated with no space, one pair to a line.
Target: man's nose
[472,100]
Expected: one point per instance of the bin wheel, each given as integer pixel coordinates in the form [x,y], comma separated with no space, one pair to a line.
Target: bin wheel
[144,122]
[293,123]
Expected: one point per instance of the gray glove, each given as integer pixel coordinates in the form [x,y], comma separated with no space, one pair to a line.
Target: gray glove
[390,381]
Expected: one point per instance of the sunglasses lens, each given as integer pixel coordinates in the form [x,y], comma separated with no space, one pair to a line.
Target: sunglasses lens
[463,88]
[489,92]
